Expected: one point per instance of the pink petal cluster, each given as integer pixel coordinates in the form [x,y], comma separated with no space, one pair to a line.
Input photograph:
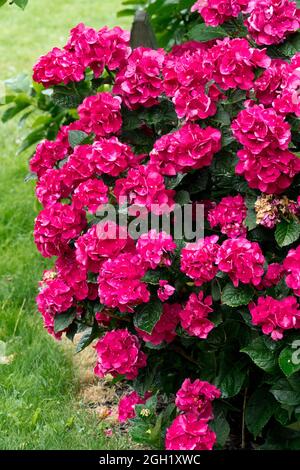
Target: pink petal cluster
[198,260]
[259,128]
[139,82]
[289,99]
[47,154]
[73,274]
[187,80]
[189,148]
[120,284]
[101,114]
[230,215]
[55,227]
[155,248]
[112,157]
[164,330]
[165,290]
[86,47]
[187,432]
[216,12]
[274,274]
[269,85]
[196,397]
[275,316]
[145,187]
[270,21]
[292,267]
[193,317]
[54,298]
[100,242]
[233,63]
[90,194]
[56,67]
[119,353]
[97,49]
[127,404]
[51,187]
[271,171]
[242,260]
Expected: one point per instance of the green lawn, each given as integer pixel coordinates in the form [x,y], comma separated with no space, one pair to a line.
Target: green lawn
[38,405]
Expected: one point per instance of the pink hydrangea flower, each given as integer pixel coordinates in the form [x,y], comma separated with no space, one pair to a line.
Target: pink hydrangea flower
[289,99]
[55,227]
[101,114]
[57,67]
[165,290]
[88,48]
[51,187]
[271,171]
[198,259]
[73,274]
[139,82]
[230,215]
[233,63]
[189,148]
[145,187]
[54,298]
[155,248]
[103,318]
[112,157]
[90,194]
[117,48]
[127,404]
[196,397]
[258,128]
[242,260]
[187,432]
[119,353]
[275,316]
[274,274]
[194,103]
[216,12]
[164,330]
[120,284]
[101,241]
[193,317]
[270,21]
[47,154]
[271,82]
[79,166]
[292,266]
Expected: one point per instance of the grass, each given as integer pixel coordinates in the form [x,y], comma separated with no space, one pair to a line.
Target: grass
[38,404]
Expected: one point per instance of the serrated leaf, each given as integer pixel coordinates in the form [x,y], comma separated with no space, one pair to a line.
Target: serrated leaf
[174,181]
[76,137]
[287,232]
[147,315]
[203,33]
[220,426]
[152,277]
[236,296]
[289,361]
[261,355]
[63,320]
[87,337]
[260,408]
[182,198]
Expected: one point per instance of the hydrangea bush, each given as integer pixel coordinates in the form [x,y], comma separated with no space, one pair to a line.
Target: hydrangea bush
[205,331]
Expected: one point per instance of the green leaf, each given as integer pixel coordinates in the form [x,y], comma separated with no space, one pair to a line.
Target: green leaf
[286,392]
[76,138]
[289,361]
[236,296]
[231,375]
[152,277]
[63,320]
[260,407]
[287,232]
[203,33]
[19,84]
[261,355]
[174,181]
[146,316]
[182,198]
[2,2]
[87,337]
[21,3]
[220,426]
